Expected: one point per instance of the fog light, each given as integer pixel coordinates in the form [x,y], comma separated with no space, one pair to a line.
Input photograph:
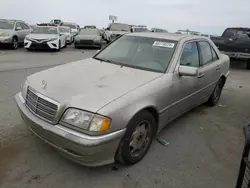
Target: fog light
[54,45]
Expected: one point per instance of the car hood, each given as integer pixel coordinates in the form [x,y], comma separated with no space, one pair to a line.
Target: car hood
[42,36]
[90,37]
[88,84]
[6,30]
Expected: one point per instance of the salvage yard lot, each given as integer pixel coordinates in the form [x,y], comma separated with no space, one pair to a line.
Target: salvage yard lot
[204,151]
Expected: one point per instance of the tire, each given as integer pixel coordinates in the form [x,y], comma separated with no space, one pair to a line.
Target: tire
[134,137]
[65,46]
[248,64]
[59,47]
[14,43]
[215,97]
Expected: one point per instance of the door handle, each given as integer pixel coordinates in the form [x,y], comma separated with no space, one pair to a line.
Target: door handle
[218,68]
[200,75]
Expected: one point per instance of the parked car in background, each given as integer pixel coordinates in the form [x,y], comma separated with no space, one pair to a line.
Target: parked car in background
[139,29]
[56,22]
[115,30]
[73,27]
[89,27]
[111,106]
[45,37]
[33,26]
[88,38]
[158,30]
[13,32]
[66,31]
[188,32]
[235,42]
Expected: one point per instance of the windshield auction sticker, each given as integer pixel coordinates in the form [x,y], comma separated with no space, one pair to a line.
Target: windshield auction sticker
[163,44]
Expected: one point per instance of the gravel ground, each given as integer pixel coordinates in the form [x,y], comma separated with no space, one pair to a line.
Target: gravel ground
[204,151]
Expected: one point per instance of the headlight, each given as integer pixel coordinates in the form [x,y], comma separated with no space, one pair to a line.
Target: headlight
[27,38]
[24,88]
[53,39]
[86,120]
[4,34]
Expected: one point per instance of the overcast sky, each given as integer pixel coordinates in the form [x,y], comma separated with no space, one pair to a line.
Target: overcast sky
[207,16]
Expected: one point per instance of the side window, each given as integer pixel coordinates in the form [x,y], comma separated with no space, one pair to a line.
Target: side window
[24,26]
[206,53]
[229,32]
[215,56]
[190,55]
[18,25]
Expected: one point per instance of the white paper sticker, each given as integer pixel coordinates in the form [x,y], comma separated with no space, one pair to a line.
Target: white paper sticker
[163,44]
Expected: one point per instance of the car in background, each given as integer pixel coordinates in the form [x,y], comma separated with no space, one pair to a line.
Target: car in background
[33,26]
[74,28]
[115,30]
[188,32]
[89,27]
[158,30]
[45,38]
[235,42]
[88,38]
[13,32]
[110,107]
[139,29]
[56,22]
[66,31]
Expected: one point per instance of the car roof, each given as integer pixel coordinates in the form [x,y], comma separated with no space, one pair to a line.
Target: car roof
[11,20]
[168,36]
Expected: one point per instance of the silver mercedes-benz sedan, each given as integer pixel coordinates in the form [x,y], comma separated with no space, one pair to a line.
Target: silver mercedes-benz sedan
[110,107]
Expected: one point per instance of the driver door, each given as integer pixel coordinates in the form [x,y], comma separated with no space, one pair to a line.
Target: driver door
[185,89]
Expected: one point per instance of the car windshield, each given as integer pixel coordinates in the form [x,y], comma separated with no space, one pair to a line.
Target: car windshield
[140,29]
[45,30]
[57,21]
[89,32]
[6,25]
[119,27]
[71,26]
[152,54]
[64,29]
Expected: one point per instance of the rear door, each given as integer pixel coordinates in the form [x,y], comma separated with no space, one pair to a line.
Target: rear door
[209,71]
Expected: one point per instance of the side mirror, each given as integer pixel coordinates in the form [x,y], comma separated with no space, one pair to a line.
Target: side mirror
[18,28]
[188,71]
[61,34]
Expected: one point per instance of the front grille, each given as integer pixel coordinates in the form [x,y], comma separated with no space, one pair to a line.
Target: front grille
[86,41]
[40,106]
[42,45]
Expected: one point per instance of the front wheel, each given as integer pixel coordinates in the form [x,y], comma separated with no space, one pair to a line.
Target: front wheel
[138,138]
[214,98]
[14,43]
[59,46]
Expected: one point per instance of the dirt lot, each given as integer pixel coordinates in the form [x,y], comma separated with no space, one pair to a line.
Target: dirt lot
[204,151]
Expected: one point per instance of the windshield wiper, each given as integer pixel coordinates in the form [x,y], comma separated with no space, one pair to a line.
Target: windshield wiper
[108,61]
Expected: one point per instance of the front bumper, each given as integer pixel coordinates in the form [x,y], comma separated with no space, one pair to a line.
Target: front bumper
[87,43]
[5,40]
[41,45]
[237,55]
[81,148]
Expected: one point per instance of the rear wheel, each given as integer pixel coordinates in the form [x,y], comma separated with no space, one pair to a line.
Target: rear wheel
[215,97]
[137,139]
[248,64]
[14,43]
